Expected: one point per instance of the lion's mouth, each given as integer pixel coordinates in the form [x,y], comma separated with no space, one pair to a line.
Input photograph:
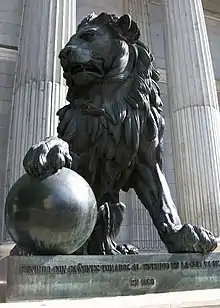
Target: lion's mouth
[73,69]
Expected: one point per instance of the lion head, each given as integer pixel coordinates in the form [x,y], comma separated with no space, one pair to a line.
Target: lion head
[98,50]
[105,54]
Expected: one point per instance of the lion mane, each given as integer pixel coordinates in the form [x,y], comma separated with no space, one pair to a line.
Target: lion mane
[128,124]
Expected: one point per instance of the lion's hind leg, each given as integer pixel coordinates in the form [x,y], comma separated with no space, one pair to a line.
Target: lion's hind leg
[102,240]
[152,189]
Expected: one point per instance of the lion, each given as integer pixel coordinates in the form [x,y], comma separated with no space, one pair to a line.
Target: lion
[111,133]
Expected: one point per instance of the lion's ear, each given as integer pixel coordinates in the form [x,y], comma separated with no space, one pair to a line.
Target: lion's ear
[128,28]
[86,20]
[124,22]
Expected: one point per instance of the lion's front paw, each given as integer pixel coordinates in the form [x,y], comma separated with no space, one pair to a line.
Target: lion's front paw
[191,239]
[46,158]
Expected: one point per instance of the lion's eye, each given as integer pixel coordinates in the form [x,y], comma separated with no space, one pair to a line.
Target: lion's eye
[87,36]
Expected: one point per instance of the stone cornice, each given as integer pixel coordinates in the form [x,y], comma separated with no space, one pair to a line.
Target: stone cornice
[218,85]
[163,75]
[211,5]
[7,54]
[212,15]
[158,2]
[163,78]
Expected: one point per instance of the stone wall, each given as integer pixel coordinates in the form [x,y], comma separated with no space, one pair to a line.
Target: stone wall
[137,226]
[213,28]
[10,20]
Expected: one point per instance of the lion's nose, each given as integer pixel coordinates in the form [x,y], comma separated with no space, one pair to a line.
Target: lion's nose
[64,53]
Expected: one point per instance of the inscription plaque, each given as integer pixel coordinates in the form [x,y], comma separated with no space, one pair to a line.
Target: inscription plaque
[47,277]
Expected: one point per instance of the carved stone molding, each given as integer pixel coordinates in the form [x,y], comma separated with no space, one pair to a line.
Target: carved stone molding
[7,54]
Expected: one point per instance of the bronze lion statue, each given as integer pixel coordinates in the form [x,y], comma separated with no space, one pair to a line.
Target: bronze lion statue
[111,133]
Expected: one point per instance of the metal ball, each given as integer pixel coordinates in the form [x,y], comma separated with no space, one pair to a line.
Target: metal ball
[53,216]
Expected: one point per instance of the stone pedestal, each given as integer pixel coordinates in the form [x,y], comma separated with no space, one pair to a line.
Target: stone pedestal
[195,117]
[56,277]
[39,89]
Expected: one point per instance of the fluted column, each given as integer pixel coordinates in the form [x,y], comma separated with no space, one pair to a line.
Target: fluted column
[39,89]
[139,11]
[85,7]
[142,232]
[195,117]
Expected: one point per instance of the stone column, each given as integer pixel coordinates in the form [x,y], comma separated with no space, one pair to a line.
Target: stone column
[142,232]
[195,117]
[39,88]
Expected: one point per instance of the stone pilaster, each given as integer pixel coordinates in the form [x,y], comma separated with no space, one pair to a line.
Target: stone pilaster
[39,88]
[195,117]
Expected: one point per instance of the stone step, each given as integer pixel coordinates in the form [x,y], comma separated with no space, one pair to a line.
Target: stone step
[186,299]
